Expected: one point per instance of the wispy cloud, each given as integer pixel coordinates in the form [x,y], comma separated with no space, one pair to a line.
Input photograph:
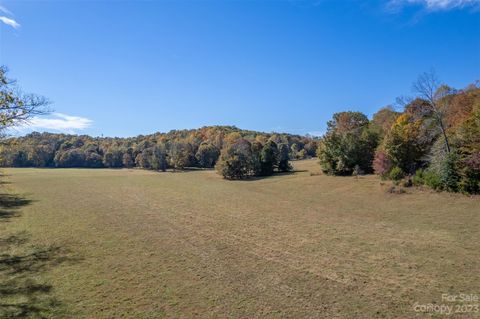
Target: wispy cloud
[6,20]
[5,10]
[435,5]
[14,24]
[57,122]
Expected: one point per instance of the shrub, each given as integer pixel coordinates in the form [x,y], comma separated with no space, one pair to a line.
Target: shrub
[449,175]
[469,185]
[419,178]
[432,180]
[396,174]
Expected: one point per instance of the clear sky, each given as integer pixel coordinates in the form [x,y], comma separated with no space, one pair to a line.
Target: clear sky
[123,68]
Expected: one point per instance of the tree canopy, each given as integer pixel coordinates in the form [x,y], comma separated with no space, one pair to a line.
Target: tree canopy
[436,138]
[177,149]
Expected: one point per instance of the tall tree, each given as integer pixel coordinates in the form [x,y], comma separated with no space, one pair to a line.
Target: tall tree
[158,158]
[207,155]
[403,144]
[181,155]
[429,88]
[127,160]
[383,120]
[113,158]
[268,158]
[235,161]
[348,143]
[283,158]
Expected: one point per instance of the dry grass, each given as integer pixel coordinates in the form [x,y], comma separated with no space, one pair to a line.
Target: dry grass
[186,245]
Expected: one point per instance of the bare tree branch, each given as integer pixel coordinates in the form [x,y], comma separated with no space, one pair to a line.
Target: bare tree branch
[429,88]
[16,107]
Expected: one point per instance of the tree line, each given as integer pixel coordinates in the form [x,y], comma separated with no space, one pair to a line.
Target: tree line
[433,140]
[238,153]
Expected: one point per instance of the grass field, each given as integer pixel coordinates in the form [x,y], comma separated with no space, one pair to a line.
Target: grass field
[81,243]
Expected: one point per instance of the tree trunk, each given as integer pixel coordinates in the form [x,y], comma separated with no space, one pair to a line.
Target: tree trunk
[447,144]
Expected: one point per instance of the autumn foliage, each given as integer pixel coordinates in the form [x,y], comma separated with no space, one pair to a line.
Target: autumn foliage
[435,139]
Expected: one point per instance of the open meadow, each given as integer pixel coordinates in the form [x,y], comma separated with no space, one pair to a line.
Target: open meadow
[129,243]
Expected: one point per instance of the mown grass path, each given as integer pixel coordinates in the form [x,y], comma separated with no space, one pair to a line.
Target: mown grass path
[189,244]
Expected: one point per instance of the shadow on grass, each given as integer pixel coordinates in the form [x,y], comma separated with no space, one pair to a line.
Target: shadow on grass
[257,178]
[22,293]
[10,205]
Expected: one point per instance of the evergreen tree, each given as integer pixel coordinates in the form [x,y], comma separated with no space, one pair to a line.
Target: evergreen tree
[268,158]
[283,158]
[449,173]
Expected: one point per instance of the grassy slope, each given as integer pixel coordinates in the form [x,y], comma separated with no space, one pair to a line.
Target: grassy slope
[182,245]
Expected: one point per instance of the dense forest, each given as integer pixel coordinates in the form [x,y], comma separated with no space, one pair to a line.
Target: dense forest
[242,153]
[434,140]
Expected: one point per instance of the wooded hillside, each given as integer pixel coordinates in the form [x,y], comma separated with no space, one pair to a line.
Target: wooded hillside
[176,149]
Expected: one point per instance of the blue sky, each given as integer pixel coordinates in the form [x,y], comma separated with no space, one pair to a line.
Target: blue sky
[123,68]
